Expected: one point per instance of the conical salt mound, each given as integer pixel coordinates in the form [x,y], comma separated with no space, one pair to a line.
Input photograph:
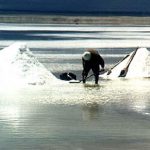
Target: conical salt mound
[19,66]
[134,65]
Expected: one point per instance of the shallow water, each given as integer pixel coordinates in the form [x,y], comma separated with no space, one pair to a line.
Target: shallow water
[114,115]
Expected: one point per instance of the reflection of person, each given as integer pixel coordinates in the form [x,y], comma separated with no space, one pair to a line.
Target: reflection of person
[91,111]
[91,59]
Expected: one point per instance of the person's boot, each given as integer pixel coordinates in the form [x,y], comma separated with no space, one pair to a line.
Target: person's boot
[84,79]
[96,79]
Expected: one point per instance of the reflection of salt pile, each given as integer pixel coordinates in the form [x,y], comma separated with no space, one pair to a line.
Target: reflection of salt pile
[19,66]
[139,66]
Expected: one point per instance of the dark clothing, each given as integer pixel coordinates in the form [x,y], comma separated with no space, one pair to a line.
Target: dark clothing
[93,64]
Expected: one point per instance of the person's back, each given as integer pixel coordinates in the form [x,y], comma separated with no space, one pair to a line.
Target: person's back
[96,59]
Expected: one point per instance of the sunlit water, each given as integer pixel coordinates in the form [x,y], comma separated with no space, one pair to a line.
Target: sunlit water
[61,116]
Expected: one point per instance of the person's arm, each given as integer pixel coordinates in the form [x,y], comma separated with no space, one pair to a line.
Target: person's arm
[83,63]
[83,71]
[101,62]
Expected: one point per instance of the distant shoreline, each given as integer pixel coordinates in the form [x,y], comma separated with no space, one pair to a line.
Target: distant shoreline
[62,19]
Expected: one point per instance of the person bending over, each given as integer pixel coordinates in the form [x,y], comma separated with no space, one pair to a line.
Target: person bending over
[91,59]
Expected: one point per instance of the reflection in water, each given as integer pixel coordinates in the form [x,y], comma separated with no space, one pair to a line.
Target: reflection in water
[106,116]
[11,115]
[90,111]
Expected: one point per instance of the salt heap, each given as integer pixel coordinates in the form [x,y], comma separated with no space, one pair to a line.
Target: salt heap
[18,66]
[136,65]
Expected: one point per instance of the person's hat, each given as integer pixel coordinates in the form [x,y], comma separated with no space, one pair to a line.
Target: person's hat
[86,56]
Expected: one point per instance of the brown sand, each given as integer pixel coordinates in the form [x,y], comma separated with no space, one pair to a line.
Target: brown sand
[59,19]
